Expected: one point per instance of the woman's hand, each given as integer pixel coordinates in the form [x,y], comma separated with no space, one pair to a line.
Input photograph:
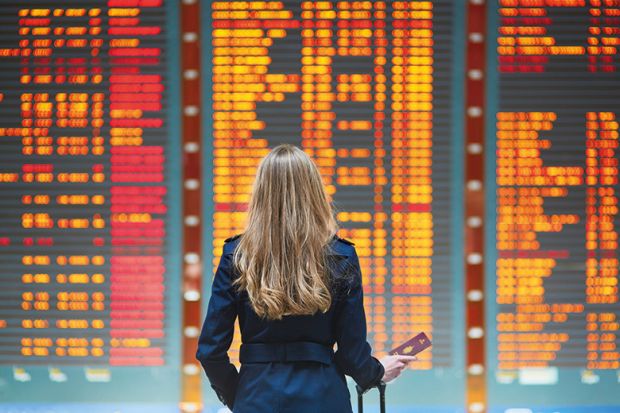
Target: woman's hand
[394,365]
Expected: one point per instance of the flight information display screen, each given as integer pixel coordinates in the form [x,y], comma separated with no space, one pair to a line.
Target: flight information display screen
[367,89]
[553,205]
[89,239]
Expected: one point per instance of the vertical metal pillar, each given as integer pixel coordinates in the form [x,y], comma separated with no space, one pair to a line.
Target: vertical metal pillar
[191,134]
[476,396]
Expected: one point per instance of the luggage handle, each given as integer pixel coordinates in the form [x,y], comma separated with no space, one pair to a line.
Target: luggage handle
[360,397]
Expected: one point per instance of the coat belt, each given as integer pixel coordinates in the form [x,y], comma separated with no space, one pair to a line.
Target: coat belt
[285,352]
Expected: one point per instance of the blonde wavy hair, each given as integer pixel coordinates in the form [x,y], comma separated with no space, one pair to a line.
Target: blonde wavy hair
[281,257]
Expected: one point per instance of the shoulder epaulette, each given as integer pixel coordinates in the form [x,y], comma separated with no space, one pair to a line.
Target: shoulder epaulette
[346,241]
[234,237]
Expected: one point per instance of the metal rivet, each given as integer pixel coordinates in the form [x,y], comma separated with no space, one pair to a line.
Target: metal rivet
[474,258]
[192,184]
[474,111]
[191,258]
[190,37]
[189,407]
[192,220]
[474,222]
[475,369]
[474,295]
[191,110]
[476,407]
[476,37]
[474,148]
[474,185]
[190,369]
[190,74]
[191,331]
[191,295]
[475,332]
[475,74]
[191,147]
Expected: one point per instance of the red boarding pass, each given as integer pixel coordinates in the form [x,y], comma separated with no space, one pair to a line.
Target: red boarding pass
[412,346]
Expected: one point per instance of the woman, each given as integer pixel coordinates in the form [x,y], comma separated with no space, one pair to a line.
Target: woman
[297,290]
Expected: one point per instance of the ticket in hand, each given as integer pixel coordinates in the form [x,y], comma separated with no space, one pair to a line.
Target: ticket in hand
[412,346]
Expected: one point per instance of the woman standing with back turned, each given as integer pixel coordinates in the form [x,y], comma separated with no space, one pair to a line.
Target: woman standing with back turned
[297,289]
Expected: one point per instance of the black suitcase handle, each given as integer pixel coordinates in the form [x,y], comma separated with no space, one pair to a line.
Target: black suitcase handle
[360,397]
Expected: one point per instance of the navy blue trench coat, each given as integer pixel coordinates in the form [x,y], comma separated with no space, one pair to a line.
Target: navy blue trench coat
[289,365]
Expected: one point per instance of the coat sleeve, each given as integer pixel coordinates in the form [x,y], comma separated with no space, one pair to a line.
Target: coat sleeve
[217,334]
[353,353]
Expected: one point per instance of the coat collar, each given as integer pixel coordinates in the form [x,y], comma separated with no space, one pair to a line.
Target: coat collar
[338,247]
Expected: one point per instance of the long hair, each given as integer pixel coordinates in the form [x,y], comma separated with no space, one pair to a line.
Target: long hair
[281,256]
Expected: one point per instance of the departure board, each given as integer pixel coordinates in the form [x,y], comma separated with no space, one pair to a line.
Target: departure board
[554,121]
[366,89]
[373,91]
[88,272]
